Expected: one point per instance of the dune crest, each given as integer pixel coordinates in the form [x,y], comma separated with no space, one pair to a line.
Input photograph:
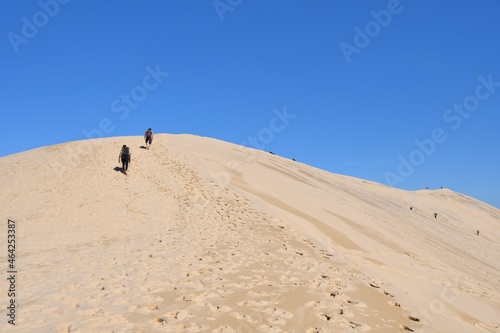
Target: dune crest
[208,236]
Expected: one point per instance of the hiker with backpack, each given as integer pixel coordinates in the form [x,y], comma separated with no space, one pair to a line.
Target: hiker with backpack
[148,136]
[125,158]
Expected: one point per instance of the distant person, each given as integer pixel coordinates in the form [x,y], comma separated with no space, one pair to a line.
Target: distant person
[477,232]
[435,215]
[125,158]
[411,208]
[148,136]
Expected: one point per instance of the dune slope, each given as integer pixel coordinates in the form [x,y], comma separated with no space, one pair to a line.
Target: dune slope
[207,236]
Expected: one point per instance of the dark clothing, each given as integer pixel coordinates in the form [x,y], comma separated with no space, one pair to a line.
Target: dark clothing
[149,140]
[125,160]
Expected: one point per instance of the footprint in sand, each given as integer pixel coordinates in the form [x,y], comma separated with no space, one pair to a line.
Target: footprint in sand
[412,318]
[195,327]
[198,298]
[242,316]
[218,308]
[355,325]
[327,316]
[252,293]
[176,316]
[406,328]
[346,299]
[224,329]
[277,312]
[316,330]
[254,303]
[152,307]
[396,304]
[276,321]
[269,329]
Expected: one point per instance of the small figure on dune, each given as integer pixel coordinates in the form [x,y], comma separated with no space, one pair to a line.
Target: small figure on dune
[427,187]
[148,136]
[125,158]
[435,215]
[477,232]
[411,208]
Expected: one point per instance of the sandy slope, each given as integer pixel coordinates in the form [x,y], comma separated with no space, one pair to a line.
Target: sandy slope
[206,236]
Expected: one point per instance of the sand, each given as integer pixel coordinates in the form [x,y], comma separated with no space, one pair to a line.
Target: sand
[207,236]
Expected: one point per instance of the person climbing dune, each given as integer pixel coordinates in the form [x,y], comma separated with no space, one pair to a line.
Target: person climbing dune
[148,136]
[125,158]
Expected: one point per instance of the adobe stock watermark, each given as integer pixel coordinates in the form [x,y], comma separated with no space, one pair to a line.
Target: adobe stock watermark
[121,106]
[223,6]
[277,124]
[373,28]
[437,306]
[266,135]
[127,101]
[453,116]
[31,27]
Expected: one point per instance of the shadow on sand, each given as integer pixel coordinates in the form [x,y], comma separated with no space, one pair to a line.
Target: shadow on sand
[118,169]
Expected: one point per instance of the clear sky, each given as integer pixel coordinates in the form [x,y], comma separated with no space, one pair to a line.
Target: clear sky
[405,93]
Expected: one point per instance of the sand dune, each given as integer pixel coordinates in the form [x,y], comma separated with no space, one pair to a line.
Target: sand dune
[207,236]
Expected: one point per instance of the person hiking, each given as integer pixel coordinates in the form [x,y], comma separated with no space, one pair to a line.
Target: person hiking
[125,158]
[148,136]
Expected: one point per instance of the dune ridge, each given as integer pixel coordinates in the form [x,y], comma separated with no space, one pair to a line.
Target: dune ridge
[208,236]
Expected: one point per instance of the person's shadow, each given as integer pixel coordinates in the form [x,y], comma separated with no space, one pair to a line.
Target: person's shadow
[118,169]
[143,147]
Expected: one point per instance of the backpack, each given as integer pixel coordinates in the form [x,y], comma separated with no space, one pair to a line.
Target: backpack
[149,133]
[126,151]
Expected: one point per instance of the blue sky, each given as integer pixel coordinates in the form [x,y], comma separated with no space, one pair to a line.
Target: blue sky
[405,93]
